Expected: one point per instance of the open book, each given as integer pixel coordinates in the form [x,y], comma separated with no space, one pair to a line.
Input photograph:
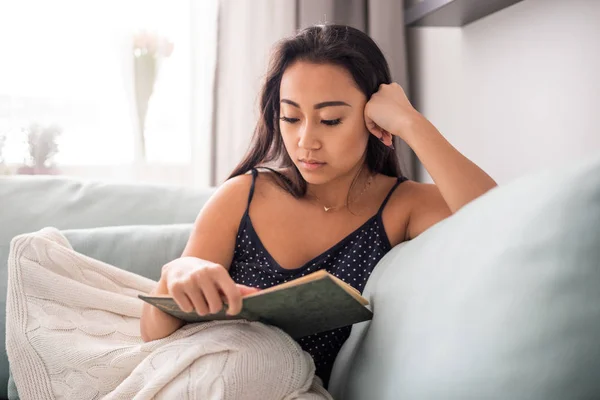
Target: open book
[311,304]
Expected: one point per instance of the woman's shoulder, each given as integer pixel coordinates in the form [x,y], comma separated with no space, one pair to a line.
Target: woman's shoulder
[273,173]
[397,208]
[235,192]
[419,204]
[272,182]
[218,220]
[231,195]
[238,186]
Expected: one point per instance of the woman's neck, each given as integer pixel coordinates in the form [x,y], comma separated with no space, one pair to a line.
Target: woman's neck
[337,193]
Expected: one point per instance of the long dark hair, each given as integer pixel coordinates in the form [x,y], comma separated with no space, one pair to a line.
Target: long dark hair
[323,44]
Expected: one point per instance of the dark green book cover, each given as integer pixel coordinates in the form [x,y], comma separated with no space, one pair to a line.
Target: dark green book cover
[315,303]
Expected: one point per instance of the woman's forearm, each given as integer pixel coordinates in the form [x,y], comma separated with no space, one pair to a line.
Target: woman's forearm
[458,179]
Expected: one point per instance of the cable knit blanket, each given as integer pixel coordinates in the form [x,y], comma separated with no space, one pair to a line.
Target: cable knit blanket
[72,332]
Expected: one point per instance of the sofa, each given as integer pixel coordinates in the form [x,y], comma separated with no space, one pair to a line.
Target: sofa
[499,301]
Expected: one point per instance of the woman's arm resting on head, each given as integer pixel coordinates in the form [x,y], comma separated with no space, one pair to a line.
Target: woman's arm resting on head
[458,181]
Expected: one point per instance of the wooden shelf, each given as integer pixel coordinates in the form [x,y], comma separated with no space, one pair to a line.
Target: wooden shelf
[452,12]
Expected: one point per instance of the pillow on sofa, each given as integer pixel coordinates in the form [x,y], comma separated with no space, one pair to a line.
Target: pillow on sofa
[499,301]
[32,203]
[139,249]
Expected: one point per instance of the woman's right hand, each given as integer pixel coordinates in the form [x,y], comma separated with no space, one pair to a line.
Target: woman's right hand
[203,286]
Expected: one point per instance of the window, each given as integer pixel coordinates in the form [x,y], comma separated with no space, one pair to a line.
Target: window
[71,64]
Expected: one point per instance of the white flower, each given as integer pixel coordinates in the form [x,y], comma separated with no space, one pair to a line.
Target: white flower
[151,43]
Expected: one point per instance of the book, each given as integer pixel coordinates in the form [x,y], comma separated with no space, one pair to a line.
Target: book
[314,303]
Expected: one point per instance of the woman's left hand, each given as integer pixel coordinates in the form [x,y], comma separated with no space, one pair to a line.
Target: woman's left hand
[388,112]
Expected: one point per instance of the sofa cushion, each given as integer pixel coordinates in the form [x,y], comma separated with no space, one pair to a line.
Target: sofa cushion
[32,203]
[499,301]
[139,249]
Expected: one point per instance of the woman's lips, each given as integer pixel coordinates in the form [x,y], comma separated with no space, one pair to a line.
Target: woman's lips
[311,165]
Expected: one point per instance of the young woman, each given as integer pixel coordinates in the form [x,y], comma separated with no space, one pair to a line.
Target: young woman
[335,199]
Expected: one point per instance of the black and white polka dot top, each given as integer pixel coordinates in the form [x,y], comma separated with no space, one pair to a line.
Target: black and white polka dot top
[352,260]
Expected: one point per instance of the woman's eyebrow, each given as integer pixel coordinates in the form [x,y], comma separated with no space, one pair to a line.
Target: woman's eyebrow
[318,105]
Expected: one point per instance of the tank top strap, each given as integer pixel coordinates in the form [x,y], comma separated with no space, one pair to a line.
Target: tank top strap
[398,182]
[254,175]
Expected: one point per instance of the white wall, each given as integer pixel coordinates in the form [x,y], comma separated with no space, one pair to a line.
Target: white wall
[517,91]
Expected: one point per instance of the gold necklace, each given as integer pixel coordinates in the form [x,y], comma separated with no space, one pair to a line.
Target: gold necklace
[327,209]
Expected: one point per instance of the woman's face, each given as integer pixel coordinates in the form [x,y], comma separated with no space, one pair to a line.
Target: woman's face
[322,121]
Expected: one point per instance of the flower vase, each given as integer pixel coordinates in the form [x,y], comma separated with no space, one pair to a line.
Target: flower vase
[145,70]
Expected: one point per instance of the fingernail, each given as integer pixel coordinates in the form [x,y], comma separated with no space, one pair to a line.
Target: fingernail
[391,146]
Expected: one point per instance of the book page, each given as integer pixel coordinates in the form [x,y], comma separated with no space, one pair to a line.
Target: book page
[312,277]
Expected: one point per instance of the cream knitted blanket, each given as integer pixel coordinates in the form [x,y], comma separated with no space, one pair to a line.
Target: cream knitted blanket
[72,332]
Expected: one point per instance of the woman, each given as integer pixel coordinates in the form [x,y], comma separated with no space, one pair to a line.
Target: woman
[336,200]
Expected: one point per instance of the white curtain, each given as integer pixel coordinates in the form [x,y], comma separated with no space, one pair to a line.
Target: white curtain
[247,30]
[203,46]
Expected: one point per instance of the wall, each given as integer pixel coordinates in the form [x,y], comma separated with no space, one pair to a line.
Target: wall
[517,91]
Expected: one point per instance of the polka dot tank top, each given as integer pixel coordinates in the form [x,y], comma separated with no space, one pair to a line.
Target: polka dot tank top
[352,259]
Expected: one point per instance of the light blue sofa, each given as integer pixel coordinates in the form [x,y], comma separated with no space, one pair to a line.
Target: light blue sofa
[500,301]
